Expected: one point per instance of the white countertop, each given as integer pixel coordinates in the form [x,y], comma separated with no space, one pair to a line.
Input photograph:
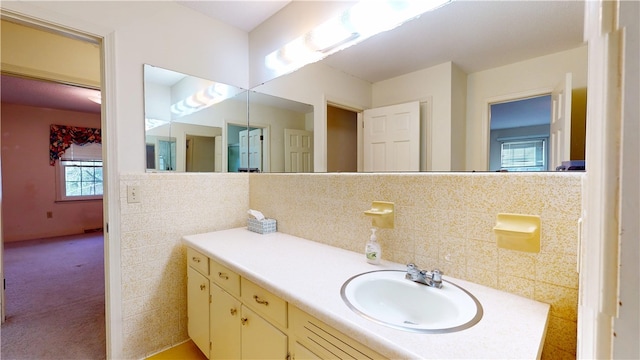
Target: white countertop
[309,275]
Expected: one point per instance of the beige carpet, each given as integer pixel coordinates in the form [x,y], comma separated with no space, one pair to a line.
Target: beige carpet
[54,299]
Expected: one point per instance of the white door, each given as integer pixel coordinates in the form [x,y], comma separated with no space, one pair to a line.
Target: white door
[392,138]
[255,150]
[560,131]
[243,138]
[298,150]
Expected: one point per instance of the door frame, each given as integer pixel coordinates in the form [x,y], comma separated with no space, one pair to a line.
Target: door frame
[266,144]
[34,16]
[225,141]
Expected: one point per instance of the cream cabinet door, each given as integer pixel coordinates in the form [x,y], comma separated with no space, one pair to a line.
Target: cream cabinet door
[226,325]
[198,309]
[260,339]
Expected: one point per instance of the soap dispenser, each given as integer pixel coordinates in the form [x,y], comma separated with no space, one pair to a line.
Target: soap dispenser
[372,250]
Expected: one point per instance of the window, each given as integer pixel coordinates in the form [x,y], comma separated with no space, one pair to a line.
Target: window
[80,173]
[524,155]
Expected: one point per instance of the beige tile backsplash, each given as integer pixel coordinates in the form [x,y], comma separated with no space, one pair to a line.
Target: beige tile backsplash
[446,220]
[153,258]
[442,220]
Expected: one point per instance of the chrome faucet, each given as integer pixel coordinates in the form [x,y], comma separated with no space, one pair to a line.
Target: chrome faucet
[431,278]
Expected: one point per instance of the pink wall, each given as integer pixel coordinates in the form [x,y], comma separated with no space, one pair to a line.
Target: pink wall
[28,181]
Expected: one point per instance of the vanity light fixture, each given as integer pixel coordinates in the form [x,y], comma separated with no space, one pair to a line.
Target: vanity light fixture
[363,20]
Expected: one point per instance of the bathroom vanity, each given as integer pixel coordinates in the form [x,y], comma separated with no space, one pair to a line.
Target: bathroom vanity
[277,295]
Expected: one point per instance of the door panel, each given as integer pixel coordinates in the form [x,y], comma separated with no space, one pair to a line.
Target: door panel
[255,150]
[261,340]
[225,325]
[392,138]
[298,149]
[198,309]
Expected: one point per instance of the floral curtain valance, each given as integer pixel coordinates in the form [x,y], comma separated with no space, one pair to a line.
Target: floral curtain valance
[61,138]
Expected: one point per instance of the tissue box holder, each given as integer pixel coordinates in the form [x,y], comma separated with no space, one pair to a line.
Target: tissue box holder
[263,226]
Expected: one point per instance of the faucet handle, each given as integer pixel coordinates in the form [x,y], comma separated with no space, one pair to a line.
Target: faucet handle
[412,271]
[436,277]
[437,274]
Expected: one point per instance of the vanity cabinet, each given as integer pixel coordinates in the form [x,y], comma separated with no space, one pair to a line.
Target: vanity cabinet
[198,300]
[226,326]
[231,317]
[237,332]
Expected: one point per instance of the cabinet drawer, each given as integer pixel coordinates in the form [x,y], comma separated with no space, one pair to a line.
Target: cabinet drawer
[225,278]
[264,303]
[198,261]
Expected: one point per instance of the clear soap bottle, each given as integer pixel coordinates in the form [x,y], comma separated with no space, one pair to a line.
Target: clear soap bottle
[372,250]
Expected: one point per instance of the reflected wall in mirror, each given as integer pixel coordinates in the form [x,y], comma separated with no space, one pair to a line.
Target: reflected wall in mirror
[455,61]
[186,120]
[280,134]
[198,125]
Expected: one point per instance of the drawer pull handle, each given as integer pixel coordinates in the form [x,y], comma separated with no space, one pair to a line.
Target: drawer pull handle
[244,320]
[233,311]
[203,286]
[222,275]
[195,259]
[260,301]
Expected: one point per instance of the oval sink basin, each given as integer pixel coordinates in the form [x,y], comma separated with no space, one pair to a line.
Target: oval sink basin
[386,297]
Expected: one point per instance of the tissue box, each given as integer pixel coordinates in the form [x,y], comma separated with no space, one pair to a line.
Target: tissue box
[263,226]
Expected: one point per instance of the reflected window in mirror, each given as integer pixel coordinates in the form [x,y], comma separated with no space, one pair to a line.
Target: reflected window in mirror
[519,134]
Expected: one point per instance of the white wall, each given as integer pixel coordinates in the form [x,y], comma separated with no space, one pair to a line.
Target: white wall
[540,75]
[276,119]
[315,84]
[175,38]
[157,102]
[435,84]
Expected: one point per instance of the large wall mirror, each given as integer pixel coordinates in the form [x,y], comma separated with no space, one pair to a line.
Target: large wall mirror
[486,79]
[199,125]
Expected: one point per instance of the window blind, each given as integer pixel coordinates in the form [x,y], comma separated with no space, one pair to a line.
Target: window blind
[91,151]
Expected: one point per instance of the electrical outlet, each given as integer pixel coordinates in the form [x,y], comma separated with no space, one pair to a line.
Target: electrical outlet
[133,194]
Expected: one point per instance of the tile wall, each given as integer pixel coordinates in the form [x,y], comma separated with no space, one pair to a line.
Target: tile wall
[153,257]
[446,221]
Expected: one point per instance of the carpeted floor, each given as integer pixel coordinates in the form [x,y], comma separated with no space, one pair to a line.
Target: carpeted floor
[54,298]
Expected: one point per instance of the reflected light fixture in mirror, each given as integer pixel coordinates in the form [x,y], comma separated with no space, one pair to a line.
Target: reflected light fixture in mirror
[363,20]
[203,98]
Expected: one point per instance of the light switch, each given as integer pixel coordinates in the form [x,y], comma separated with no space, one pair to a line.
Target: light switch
[133,194]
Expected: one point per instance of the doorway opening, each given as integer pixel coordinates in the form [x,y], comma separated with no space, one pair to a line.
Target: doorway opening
[202,153]
[342,139]
[519,135]
[34,101]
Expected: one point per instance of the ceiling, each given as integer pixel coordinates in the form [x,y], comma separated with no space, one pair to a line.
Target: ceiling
[245,15]
[475,35]
[47,94]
